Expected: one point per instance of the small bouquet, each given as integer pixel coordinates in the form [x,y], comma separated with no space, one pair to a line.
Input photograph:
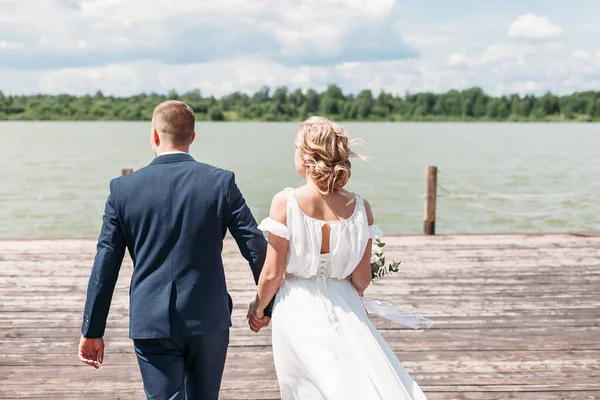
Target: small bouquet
[379,269]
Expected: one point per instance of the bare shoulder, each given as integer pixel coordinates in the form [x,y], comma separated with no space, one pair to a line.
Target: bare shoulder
[278,210]
[370,217]
[279,200]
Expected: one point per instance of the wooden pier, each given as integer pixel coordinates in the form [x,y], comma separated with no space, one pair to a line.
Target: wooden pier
[517,317]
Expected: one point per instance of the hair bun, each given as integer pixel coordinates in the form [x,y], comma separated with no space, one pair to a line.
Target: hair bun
[324,148]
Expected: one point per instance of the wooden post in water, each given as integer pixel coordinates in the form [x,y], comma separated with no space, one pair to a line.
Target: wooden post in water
[430,200]
[126,171]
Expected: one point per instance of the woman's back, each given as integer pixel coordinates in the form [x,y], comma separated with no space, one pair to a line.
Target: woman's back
[334,207]
[334,228]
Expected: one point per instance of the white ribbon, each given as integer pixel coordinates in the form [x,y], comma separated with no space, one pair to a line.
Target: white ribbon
[395,314]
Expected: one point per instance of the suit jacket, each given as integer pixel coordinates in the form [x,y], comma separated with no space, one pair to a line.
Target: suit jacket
[172,216]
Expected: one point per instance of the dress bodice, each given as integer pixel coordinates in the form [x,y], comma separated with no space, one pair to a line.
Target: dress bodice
[348,239]
[323,270]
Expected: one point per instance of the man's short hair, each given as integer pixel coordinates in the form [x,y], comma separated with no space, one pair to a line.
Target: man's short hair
[175,121]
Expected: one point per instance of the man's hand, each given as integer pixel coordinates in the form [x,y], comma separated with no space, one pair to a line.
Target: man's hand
[256,324]
[91,351]
[256,318]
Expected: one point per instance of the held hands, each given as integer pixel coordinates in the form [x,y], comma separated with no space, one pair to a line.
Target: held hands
[91,351]
[256,318]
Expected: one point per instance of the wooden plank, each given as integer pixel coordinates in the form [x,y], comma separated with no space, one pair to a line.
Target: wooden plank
[530,339]
[517,316]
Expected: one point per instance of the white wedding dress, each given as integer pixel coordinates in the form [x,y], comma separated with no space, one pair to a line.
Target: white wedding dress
[324,345]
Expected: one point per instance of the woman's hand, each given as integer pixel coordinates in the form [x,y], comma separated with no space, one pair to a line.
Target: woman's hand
[256,318]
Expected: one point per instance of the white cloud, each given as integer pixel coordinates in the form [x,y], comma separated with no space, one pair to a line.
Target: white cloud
[461,60]
[219,78]
[248,75]
[506,51]
[5,45]
[78,33]
[123,79]
[552,46]
[123,47]
[492,54]
[426,40]
[527,87]
[580,54]
[531,26]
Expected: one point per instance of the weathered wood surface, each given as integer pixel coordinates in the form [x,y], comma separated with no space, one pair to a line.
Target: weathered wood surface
[517,317]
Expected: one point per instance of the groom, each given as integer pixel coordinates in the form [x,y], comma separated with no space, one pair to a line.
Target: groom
[172,217]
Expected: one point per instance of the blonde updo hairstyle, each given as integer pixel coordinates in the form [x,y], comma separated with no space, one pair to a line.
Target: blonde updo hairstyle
[324,148]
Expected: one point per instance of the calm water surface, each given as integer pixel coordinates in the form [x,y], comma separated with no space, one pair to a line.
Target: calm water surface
[54,176]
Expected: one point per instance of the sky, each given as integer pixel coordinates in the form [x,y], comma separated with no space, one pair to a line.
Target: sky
[124,47]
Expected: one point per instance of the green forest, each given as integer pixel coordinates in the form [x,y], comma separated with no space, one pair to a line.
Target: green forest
[281,104]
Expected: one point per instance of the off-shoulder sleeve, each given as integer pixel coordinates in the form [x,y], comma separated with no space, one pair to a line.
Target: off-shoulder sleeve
[375,232]
[274,227]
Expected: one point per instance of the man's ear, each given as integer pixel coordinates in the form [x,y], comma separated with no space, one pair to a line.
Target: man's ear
[193,137]
[155,138]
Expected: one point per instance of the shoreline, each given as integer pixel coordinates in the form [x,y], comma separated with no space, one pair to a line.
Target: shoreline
[408,235]
[422,121]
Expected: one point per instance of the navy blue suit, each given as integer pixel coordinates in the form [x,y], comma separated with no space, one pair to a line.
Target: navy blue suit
[172,216]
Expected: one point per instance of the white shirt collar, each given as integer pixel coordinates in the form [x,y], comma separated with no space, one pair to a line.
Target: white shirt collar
[171,152]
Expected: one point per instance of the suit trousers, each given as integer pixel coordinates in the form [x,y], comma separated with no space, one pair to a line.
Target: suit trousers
[183,368]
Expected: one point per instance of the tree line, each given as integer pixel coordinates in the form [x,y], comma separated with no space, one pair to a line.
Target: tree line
[282,104]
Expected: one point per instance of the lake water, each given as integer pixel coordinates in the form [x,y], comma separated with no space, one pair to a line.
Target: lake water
[54,176]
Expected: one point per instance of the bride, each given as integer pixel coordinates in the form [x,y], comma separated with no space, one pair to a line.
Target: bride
[318,266]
